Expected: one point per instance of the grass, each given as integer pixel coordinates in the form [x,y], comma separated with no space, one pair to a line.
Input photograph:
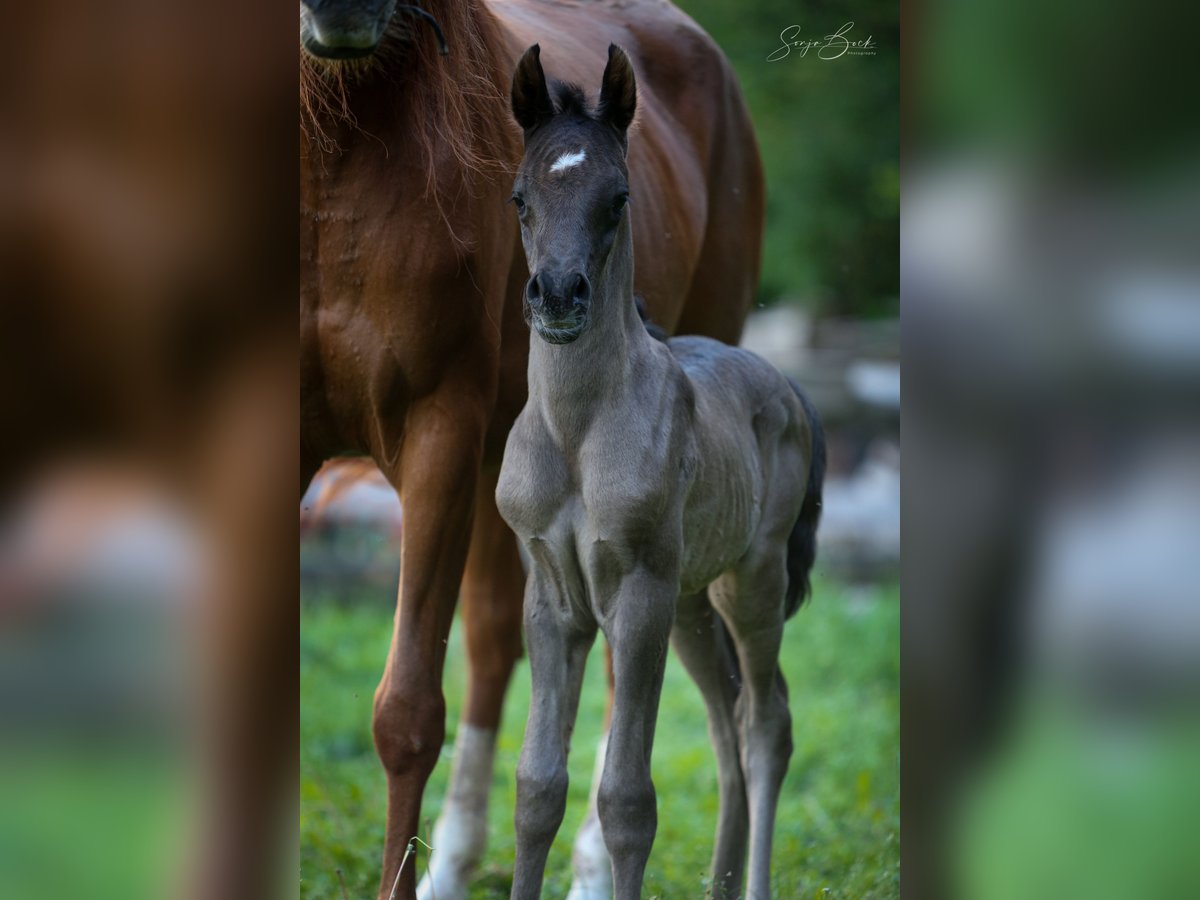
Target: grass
[838,827]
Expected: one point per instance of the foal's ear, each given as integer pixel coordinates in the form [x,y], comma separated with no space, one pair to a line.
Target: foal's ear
[618,91]
[530,97]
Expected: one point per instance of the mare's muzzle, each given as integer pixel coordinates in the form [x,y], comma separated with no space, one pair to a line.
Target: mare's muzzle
[558,305]
[344,29]
[351,29]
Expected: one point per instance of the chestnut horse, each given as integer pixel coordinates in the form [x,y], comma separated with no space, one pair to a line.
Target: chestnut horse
[413,342]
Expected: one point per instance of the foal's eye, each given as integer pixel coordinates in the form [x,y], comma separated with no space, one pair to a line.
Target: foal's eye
[519,203]
[618,203]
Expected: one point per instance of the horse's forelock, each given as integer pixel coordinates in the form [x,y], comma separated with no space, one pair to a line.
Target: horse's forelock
[571,99]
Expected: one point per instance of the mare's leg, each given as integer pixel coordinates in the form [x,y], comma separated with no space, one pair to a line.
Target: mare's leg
[492,590]
[590,862]
[557,656]
[638,631]
[436,475]
[701,642]
[753,613]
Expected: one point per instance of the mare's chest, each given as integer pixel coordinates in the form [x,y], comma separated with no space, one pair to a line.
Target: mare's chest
[397,289]
[374,240]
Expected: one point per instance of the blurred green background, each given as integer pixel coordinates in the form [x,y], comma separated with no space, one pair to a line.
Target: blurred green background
[829,135]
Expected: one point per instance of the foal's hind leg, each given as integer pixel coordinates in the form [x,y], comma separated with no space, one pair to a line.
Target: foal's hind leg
[754,613]
[492,590]
[590,863]
[700,641]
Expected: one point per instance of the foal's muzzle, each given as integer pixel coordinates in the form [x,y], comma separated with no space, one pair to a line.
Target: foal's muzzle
[558,306]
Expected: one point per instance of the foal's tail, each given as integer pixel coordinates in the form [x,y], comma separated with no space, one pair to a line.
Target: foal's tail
[802,544]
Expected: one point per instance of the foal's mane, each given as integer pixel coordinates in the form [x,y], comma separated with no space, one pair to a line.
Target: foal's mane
[453,105]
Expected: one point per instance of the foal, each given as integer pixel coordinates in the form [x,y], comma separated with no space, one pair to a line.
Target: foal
[652,483]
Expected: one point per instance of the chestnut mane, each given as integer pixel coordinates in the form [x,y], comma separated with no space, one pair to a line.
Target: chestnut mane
[453,103]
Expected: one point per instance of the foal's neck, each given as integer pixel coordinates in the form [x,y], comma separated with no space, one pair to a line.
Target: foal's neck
[572,382]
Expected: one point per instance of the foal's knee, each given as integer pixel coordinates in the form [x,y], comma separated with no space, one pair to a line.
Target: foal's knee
[409,726]
[628,814]
[541,800]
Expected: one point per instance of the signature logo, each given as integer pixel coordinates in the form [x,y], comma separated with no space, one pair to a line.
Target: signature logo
[831,46]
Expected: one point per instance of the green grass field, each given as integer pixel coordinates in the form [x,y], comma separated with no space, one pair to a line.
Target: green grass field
[839,817]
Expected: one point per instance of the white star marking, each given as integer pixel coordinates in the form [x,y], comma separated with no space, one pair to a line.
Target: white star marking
[567,160]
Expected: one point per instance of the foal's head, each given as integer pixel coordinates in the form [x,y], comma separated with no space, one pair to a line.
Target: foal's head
[571,189]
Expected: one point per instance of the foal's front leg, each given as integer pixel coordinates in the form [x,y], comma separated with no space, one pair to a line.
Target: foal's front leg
[558,651]
[638,630]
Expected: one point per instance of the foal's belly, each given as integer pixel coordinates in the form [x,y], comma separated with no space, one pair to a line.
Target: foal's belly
[716,533]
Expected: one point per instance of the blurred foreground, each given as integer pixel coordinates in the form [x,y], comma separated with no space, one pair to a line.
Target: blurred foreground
[147,545]
[1051,318]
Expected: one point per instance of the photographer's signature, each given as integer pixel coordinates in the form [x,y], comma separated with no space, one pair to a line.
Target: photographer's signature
[831,46]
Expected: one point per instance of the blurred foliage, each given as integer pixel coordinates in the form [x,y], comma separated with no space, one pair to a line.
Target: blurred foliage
[1061,100]
[1081,805]
[89,822]
[829,135]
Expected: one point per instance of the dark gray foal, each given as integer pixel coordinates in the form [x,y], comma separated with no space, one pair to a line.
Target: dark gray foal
[652,484]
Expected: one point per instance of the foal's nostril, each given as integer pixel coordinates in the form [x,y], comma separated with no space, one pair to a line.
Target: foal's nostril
[579,289]
[533,291]
[557,297]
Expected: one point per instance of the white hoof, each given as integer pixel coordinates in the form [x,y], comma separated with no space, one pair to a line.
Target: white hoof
[460,836]
[459,839]
[442,885]
[581,891]
[590,863]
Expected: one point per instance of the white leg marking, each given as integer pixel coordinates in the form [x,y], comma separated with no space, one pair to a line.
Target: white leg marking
[567,160]
[460,836]
[589,859]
